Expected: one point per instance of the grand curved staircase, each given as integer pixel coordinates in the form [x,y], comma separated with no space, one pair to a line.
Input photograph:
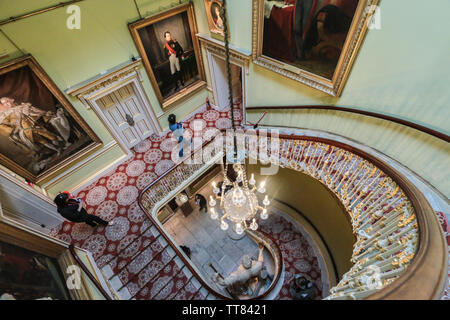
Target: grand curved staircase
[399,240]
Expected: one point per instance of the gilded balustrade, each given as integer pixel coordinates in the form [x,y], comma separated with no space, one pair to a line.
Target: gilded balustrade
[382,217]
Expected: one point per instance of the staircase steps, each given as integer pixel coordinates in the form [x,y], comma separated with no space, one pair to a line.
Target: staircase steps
[143,266]
[124,252]
[134,250]
[189,290]
[173,276]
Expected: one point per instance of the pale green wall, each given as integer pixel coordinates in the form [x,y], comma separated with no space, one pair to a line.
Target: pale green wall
[93,291]
[73,56]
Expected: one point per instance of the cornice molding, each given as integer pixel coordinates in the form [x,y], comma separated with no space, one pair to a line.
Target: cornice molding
[101,81]
[218,47]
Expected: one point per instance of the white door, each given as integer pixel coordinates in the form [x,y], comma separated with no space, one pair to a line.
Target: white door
[219,73]
[125,113]
[220,87]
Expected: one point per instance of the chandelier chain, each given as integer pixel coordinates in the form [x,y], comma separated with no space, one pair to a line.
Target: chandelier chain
[227,57]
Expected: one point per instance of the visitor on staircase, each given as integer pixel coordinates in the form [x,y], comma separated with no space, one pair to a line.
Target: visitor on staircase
[177,129]
[73,210]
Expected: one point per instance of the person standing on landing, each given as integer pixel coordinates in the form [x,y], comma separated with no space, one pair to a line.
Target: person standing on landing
[201,202]
[73,210]
[177,129]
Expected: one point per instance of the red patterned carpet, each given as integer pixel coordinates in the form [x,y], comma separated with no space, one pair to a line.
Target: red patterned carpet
[298,255]
[446,228]
[141,258]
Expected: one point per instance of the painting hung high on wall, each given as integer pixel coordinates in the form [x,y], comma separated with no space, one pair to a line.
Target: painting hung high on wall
[171,53]
[40,131]
[311,41]
[214,15]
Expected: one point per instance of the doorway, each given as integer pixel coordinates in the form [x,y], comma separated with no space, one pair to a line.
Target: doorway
[126,115]
[219,79]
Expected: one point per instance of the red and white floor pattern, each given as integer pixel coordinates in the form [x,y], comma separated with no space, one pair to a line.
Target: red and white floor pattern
[446,228]
[298,255]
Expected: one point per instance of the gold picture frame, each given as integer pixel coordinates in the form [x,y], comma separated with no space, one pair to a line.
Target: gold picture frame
[149,36]
[353,39]
[41,133]
[213,10]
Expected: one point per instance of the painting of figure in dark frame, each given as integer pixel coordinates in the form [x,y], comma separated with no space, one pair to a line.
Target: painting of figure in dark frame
[39,129]
[308,34]
[170,52]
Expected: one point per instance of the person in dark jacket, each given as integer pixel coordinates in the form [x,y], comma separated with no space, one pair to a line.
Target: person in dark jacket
[72,210]
[201,201]
[186,250]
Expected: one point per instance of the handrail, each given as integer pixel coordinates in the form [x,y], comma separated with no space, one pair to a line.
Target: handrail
[277,250]
[430,261]
[88,273]
[322,239]
[163,233]
[178,164]
[435,133]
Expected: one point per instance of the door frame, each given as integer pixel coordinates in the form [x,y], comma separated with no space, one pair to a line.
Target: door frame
[212,56]
[104,85]
[216,49]
[123,112]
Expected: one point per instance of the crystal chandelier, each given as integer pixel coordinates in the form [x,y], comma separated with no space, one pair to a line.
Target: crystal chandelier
[238,201]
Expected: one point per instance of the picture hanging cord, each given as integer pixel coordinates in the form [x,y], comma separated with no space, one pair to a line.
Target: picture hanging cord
[10,40]
[137,8]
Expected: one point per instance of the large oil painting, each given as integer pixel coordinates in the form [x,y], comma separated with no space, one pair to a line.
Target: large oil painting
[40,131]
[171,54]
[27,275]
[312,41]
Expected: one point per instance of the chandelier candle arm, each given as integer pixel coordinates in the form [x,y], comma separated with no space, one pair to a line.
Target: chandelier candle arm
[262,188]
[212,202]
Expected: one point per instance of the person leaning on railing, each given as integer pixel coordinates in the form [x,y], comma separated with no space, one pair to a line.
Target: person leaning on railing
[73,210]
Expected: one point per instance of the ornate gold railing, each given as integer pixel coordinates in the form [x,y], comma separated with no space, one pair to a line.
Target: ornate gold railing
[398,234]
